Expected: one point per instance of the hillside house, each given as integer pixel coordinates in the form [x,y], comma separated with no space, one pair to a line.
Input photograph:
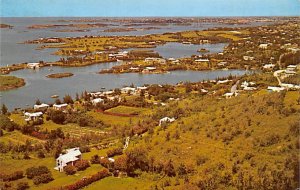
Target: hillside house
[166,120]
[263,46]
[127,90]
[33,65]
[33,116]
[42,107]
[69,158]
[97,100]
[60,107]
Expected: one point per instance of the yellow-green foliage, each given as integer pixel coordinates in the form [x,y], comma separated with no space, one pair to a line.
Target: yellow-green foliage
[9,82]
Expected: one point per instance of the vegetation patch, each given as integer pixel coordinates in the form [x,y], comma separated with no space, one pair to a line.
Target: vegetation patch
[10,82]
[60,75]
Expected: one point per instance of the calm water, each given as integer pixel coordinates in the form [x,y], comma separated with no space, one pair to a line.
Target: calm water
[38,86]
[12,52]
[86,78]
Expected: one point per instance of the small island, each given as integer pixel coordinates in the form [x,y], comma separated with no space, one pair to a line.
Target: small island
[10,82]
[59,75]
[5,26]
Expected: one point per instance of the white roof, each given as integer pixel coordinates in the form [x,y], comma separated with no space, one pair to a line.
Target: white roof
[71,155]
[97,100]
[151,68]
[40,106]
[36,114]
[60,105]
[128,88]
[202,60]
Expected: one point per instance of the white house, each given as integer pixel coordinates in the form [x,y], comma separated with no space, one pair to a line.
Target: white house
[202,60]
[41,107]
[223,81]
[71,156]
[33,65]
[275,88]
[127,90]
[229,95]
[263,46]
[32,116]
[269,66]
[60,106]
[166,119]
[97,100]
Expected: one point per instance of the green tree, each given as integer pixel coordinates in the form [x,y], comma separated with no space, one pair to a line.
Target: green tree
[4,109]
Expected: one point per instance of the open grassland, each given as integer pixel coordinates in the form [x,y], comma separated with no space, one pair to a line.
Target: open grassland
[16,137]
[113,120]
[128,110]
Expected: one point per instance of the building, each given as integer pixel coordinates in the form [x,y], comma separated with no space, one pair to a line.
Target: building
[33,65]
[33,116]
[42,107]
[269,66]
[60,107]
[127,90]
[166,119]
[263,46]
[69,158]
[202,60]
[97,100]
[275,88]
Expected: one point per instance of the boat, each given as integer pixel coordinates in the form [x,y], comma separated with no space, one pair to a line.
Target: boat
[203,50]
[54,96]
[102,87]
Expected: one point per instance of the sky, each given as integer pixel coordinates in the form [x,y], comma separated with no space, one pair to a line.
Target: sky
[136,8]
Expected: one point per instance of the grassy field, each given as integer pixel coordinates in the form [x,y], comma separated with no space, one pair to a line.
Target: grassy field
[128,110]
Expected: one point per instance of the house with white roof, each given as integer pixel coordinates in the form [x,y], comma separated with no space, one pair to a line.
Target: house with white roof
[33,116]
[166,119]
[202,60]
[275,88]
[127,90]
[42,107]
[60,107]
[70,157]
[33,65]
[97,100]
[269,66]
[263,46]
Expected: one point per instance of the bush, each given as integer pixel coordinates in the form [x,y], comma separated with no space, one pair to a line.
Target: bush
[95,159]
[82,165]
[36,171]
[70,170]
[44,178]
[22,186]
[114,152]
[57,117]
[87,181]
[13,176]
[40,154]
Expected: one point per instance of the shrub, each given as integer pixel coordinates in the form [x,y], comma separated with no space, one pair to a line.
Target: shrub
[44,178]
[201,160]
[114,152]
[87,181]
[22,186]
[70,170]
[95,159]
[36,171]
[57,117]
[40,154]
[13,176]
[82,165]
[105,163]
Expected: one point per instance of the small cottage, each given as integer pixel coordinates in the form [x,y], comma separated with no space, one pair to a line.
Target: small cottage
[69,158]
